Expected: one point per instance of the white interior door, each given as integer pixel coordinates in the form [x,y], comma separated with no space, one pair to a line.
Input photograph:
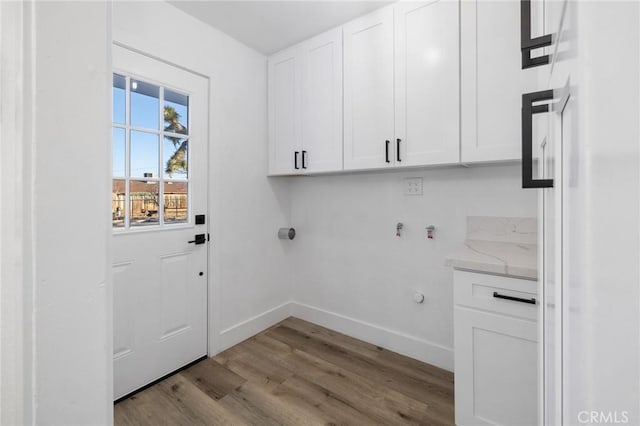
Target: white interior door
[159,185]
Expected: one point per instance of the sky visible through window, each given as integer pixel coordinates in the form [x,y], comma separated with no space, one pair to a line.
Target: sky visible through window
[145,114]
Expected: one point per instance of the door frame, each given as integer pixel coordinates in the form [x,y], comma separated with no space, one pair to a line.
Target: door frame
[16,300]
[562,96]
[212,290]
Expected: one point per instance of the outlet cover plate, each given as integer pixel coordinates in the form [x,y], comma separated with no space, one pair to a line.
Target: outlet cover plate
[413,186]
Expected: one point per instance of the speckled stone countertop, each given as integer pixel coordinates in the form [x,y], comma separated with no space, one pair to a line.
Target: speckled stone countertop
[499,245]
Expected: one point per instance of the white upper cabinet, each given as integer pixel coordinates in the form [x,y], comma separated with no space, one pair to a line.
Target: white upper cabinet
[368,91]
[322,103]
[425,82]
[401,86]
[493,81]
[305,107]
[427,85]
[285,72]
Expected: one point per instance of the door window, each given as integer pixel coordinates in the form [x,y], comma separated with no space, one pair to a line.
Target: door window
[150,147]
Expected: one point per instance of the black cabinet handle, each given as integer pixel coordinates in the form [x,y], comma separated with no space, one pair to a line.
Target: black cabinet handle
[398,149]
[295,160]
[304,157]
[528,109]
[527,44]
[386,152]
[497,295]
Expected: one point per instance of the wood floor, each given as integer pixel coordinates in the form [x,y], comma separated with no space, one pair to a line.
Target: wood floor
[297,373]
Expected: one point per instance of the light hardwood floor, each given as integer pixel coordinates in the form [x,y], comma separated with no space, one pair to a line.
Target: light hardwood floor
[297,373]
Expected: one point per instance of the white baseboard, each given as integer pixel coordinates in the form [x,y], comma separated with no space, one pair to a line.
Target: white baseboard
[411,346]
[248,328]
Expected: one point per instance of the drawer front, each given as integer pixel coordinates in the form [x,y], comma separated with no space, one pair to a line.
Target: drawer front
[504,295]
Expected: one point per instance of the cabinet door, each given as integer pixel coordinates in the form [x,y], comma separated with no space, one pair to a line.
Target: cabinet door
[427,52]
[322,102]
[284,110]
[368,91]
[492,80]
[496,369]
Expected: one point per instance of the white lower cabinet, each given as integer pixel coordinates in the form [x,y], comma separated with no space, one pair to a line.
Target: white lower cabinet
[496,350]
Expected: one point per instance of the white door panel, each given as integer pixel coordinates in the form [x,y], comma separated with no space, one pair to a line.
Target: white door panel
[160,279]
[160,307]
[427,83]
[124,293]
[322,102]
[368,90]
[495,359]
[285,71]
[492,80]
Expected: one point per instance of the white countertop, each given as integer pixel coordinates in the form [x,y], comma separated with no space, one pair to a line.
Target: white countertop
[504,258]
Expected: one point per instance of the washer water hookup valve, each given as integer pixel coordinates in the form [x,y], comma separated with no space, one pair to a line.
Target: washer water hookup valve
[430,230]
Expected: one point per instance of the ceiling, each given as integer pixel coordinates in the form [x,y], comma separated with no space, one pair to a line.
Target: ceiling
[269,26]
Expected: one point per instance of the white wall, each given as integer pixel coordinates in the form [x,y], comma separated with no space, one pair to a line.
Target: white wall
[353,275]
[248,265]
[67,141]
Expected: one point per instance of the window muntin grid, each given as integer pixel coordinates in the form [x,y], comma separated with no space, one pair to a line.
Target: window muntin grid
[150,155]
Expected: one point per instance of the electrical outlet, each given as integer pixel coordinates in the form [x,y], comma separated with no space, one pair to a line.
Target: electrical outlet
[413,186]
